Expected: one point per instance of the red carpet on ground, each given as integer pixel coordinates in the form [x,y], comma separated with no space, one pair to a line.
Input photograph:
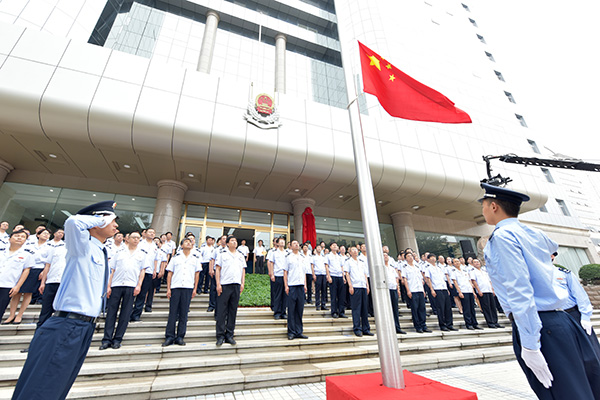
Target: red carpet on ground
[370,386]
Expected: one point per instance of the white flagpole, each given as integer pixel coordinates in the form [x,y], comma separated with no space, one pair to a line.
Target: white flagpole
[387,341]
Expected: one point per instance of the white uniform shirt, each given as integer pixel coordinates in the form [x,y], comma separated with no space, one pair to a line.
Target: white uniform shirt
[40,253]
[334,261]
[169,246]
[4,239]
[207,253]
[357,269]
[391,277]
[259,251]
[307,263]
[161,257]
[366,260]
[151,250]
[318,261]
[463,280]
[295,267]
[57,259]
[414,277]
[437,276]
[483,280]
[112,249]
[277,257]
[232,267]
[244,250]
[127,267]
[13,265]
[184,270]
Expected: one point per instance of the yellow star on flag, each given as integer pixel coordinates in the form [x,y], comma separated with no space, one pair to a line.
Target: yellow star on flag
[392,77]
[388,66]
[375,62]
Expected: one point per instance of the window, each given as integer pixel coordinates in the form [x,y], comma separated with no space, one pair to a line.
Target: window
[547,175]
[499,76]
[481,39]
[491,57]
[473,22]
[543,209]
[534,146]
[563,207]
[510,97]
[466,7]
[521,121]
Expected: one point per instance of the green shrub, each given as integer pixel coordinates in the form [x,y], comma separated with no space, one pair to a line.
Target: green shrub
[257,291]
[590,274]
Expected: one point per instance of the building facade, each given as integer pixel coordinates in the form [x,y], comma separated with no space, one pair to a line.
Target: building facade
[217,116]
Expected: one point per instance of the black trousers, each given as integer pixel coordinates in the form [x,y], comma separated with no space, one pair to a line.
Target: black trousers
[370,299]
[4,300]
[279,297]
[468,305]
[259,266]
[417,308]
[394,298]
[226,312]
[295,304]
[309,286]
[337,295]
[179,307]
[204,282]
[140,299]
[47,300]
[120,296]
[570,357]
[488,308]
[444,308]
[321,291]
[403,295]
[212,292]
[574,312]
[430,298]
[360,311]
[55,356]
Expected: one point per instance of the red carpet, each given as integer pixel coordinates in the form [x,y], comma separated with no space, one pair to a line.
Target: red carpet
[370,386]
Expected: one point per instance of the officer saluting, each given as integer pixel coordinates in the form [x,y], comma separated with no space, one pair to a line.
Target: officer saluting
[551,347]
[59,347]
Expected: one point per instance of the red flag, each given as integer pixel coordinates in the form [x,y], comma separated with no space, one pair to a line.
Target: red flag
[404,97]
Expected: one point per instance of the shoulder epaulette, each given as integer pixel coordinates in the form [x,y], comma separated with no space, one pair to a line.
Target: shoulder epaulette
[144,250]
[563,269]
[196,255]
[29,250]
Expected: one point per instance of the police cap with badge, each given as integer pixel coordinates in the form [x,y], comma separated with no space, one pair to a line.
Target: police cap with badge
[500,193]
[104,209]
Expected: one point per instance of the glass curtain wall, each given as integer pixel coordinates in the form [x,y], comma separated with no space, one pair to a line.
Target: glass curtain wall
[347,232]
[443,244]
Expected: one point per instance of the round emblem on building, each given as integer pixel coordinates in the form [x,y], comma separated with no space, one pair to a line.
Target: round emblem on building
[262,112]
[264,104]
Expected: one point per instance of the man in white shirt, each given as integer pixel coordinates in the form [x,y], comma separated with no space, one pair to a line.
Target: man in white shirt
[392,279]
[276,262]
[436,279]
[125,282]
[483,286]
[207,252]
[335,277]
[212,297]
[355,270]
[242,248]
[3,234]
[230,276]
[259,258]
[463,285]
[413,280]
[56,261]
[146,295]
[182,281]
[310,273]
[294,278]
[318,266]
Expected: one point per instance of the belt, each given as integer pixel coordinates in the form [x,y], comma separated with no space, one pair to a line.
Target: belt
[512,319]
[72,315]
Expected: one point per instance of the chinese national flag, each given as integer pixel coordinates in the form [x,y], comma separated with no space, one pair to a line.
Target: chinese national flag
[404,97]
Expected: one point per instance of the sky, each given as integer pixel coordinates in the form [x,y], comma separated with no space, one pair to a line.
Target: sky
[548,52]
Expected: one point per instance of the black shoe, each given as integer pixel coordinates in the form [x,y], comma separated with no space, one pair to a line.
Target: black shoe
[359,333]
[419,330]
[167,342]
[290,337]
[205,292]
[400,331]
[335,315]
[116,345]
[478,327]
[451,328]
[230,340]
[444,329]
[220,341]
[427,330]
[309,302]
[301,336]
[104,346]
[470,328]
[343,316]
[368,333]
[134,320]
[499,326]
[277,317]
[210,309]
[284,316]
[324,308]
[371,315]
[179,341]
[148,310]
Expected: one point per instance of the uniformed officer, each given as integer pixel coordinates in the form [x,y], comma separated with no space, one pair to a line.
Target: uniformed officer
[276,262]
[318,266]
[552,348]
[462,282]
[144,299]
[4,236]
[212,296]
[230,276]
[259,257]
[392,280]
[294,279]
[207,252]
[309,271]
[355,269]
[435,277]
[125,282]
[15,264]
[483,287]
[413,281]
[59,347]
[335,277]
[56,262]
[182,281]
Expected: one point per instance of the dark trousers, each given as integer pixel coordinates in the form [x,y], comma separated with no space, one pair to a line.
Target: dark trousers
[47,300]
[370,299]
[140,299]
[468,305]
[295,305]
[403,295]
[444,308]
[259,266]
[430,298]
[204,282]
[452,302]
[179,307]
[279,297]
[227,305]
[574,312]
[55,356]
[309,286]
[394,297]
[4,300]
[120,296]
[212,292]
[272,283]
[417,308]
[488,308]
[337,295]
[320,290]
[156,283]
[570,357]
[360,311]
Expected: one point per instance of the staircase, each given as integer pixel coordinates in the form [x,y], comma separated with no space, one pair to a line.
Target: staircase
[263,356]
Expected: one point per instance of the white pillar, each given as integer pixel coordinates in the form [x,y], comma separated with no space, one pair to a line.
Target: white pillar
[298,206]
[208,42]
[167,211]
[5,169]
[280,44]
[404,230]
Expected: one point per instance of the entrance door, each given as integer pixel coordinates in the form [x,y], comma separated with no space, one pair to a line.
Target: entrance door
[243,234]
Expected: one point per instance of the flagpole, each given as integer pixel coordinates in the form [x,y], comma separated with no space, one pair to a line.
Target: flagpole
[387,341]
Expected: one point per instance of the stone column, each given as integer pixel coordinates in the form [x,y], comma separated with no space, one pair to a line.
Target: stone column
[298,206]
[208,42]
[167,211]
[280,43]
[404,230]
[5,169]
